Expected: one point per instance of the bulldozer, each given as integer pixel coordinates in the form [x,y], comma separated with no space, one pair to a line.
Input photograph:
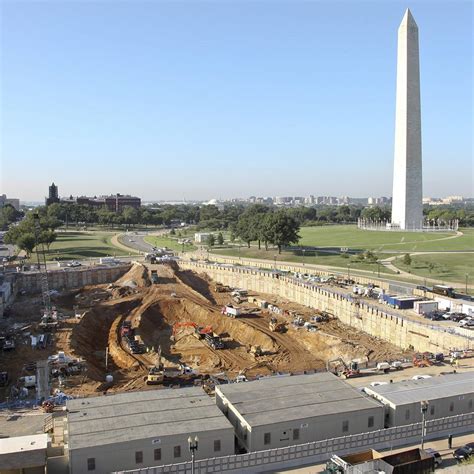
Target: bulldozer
[275,326]
[348,371]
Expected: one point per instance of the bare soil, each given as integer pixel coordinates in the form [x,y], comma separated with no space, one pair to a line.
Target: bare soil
[181,296]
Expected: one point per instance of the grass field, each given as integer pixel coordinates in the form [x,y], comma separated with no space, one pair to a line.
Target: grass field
[450,267]
[169,241]
[321,258]
[80,245]
[338,236]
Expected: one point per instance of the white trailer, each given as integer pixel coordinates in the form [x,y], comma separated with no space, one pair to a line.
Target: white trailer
[424,307]
[231,311]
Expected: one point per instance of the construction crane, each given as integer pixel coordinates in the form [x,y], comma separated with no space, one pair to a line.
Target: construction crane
[43,269]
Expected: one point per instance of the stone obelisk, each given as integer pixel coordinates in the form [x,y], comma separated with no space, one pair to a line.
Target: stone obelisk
[407,202]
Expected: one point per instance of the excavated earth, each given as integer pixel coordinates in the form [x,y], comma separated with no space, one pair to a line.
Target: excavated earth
[185,297]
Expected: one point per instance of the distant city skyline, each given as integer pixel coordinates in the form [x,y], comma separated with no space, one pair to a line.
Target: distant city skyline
[194,101]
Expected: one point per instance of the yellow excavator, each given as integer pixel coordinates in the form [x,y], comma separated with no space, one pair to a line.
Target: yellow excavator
[156,373]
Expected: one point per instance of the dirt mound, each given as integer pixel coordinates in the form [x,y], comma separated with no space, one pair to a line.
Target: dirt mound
[136,277]
[198,284]
[90,336]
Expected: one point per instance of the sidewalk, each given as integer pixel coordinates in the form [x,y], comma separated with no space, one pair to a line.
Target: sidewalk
[440,445]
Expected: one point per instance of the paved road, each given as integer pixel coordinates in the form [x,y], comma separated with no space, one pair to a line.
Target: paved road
[136,240]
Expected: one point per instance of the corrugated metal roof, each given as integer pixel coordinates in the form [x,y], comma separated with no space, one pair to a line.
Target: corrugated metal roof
[280,399]
[140,415]
[411,391]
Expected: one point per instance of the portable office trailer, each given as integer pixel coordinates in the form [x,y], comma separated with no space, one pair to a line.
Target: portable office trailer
[423,307]
[283,411]
[447,395]
[405,302]
[144,429]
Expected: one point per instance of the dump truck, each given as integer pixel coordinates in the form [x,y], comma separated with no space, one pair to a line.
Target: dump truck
[231,311]
[275,326]
[154,277]
[214,341]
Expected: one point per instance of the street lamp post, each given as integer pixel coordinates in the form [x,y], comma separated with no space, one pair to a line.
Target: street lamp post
[304,250]
[275,262]
[193,447]
[424,410]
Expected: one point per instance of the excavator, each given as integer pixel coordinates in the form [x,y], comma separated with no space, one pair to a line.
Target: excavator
[200,331]
[422,359]
[275,326]
[156,373]
[349,370]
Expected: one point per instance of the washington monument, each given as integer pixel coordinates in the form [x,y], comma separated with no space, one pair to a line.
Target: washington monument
[407,205]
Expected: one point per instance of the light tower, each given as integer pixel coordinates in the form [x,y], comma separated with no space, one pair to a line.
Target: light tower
[407,205]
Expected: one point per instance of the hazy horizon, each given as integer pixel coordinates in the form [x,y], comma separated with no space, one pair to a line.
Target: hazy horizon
[194,101]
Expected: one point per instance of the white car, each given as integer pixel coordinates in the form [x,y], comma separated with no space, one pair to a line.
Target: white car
[421,377]
[74,263]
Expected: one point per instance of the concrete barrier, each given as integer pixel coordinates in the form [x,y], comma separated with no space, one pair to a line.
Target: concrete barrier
[388,325]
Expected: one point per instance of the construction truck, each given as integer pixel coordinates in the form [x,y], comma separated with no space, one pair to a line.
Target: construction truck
[214,341]
[256,351]
[154,276]
[230,311]
[422,359]
[219,288]
[275,326]
[156,373]
[342,369]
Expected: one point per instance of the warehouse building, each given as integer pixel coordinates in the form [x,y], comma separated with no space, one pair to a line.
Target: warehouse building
[283,411]
[144,429]
[447,395]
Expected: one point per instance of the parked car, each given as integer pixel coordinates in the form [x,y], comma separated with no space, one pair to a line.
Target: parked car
[457,316]
[467,322]
[461,454]
[469,447]
[74,263]
[437,457]
[421,377]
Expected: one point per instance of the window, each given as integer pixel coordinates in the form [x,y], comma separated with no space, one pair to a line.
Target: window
[177,451]
[91,464]
[370,422]
[407,414]
[296,433]
[157,454]
[217,445]
[345,426]
[451,406]
[138,457]
[267,438]
[432,409]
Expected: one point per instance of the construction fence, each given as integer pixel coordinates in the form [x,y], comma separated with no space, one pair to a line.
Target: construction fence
[319,451]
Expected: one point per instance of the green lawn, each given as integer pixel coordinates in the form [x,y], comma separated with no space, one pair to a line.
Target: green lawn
[452,267]
[169,241]
[320,259]
[338,236]
[80,245]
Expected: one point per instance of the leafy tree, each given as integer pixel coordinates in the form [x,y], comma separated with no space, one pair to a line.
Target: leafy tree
[282,229]
[220,239]
[130,215]
[48,237]
[26,242]
[407,259]
[211,240]
[370,256]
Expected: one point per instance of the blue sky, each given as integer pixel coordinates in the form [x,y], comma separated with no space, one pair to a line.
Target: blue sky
[197,100]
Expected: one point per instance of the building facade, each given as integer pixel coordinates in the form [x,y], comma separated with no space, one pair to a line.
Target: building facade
[288,410]
[143,429]
[446,395]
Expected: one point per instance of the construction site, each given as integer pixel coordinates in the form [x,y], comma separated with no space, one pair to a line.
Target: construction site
[160,326]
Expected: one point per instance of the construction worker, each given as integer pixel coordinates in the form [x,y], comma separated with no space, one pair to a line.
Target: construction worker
[450,441]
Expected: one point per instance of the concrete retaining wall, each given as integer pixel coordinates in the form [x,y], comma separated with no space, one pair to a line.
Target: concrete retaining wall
[385,324]
[67,279]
